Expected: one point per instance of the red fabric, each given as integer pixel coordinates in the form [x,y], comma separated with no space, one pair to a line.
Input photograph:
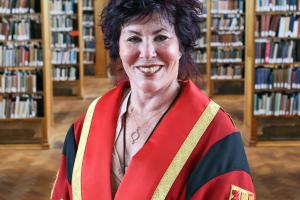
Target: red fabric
[220,187]
[150,163]
[62,188]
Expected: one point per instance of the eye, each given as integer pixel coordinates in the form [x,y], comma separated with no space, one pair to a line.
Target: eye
[160,38]
[134,39]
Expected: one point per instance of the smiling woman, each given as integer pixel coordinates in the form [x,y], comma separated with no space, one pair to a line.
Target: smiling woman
[156,135]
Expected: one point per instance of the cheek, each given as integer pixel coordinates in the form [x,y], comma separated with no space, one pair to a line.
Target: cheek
[170,55]
[128,54]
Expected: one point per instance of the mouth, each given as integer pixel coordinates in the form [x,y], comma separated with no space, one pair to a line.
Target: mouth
[149,70]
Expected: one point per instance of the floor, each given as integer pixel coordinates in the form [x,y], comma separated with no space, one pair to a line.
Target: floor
[29,174]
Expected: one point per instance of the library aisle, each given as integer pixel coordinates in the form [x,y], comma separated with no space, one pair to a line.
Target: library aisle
[29,174]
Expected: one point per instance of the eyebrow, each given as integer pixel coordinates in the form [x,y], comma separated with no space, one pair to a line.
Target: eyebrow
[154,32]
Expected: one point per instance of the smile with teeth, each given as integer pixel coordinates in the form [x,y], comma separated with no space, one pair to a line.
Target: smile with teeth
[152,69]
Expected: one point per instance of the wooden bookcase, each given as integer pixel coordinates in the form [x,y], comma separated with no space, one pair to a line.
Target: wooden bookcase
[66,36]
[89,49]
[215,45]
[254,123]
[14,127]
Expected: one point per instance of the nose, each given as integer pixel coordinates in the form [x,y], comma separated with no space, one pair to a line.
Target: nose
[147,50]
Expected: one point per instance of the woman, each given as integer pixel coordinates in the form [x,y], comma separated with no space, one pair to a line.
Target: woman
[154,136]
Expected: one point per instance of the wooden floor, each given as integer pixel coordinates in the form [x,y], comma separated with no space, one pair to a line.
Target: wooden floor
[29,174]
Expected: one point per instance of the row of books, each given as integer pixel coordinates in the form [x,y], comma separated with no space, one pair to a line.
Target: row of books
[268,51]
[201,42]
[21,106]
[228,24]
[279,78]
[63,7]
[199,57]
[64,74]
[19,6]
[226,40]
[62,22]
[277,26]
[277,5]
[26,55]
[88,20]
[227,72]
[89,45]
[21,81]
[63,40]
[277,104]
[88,5]
[68,56]
[88,32]
[88,57]
[20,28]
[227,6]
[226,55]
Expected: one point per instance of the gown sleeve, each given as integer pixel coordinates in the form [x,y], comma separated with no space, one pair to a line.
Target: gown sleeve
[62,186]
[223,173]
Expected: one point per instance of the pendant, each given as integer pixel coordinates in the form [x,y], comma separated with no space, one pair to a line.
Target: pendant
[135,135]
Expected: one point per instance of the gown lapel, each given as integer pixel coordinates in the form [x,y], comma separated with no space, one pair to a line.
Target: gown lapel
[148,166]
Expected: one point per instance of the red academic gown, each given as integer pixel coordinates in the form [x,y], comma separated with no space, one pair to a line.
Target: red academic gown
[216,169]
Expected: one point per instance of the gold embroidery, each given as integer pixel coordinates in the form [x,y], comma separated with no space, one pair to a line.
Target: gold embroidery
[76,176]
[238,193]
[185,150]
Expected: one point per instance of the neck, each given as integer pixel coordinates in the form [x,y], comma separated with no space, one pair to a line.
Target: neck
[149,102]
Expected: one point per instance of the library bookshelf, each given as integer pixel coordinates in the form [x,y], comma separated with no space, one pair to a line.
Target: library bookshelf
[271,95]
[223,51]
[67,47]
[26,91]
[89,49]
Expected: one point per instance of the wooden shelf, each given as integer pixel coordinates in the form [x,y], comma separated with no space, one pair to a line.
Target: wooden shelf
[67,81]
[278,38]
[19,14]
[227,80]
[20,93]
[285,13]
[277,90]
[273,65]
[251,121]
[36,119]
[25,68]
[277,116]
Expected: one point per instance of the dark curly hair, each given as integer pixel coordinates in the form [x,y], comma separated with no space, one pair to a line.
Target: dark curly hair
[182,14]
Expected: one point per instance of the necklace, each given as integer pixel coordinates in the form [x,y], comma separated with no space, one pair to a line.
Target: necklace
[136,135]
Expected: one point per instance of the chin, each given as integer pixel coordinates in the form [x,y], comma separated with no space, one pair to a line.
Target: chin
[150,87]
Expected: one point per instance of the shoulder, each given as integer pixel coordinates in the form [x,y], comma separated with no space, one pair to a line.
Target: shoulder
[98,105]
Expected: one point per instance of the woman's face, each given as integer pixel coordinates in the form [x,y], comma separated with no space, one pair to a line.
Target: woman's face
[150,54]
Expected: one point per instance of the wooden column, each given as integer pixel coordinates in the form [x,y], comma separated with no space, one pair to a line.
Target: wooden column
[249,119]
[101,60]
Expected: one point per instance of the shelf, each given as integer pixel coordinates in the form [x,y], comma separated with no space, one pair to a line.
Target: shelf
[19,14]
[227,80]
[277,90]
[36,119]
[277,117]
[277,13]
[21,93]
[26,68]
[65,65]
[67,81]
[278,38]
[228,47]
[223,63]
[21,41]
[273,65]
